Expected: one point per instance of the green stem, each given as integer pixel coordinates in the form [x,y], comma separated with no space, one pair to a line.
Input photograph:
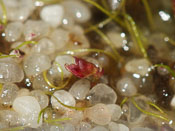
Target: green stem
[51,85]
[149,14]
[99,25]
[102,23]
[57,120]
[134,32]
[148,113]
[106,39]
[40,114]
[70,107]
[156,107]
[4,17]
[19,128]
[105,4]
[25,43]
[123,101]
[60,70]
[7,56]
[118,20]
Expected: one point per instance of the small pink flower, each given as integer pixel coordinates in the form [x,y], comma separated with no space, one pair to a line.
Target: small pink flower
[83,69]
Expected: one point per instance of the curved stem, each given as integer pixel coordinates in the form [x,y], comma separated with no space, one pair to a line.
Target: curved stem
[25,43]
[4,20]
[119,21]
[148,113]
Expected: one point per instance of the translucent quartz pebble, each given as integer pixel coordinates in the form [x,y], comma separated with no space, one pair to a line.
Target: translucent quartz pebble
[126,87]
[162,71]
[28,108]
[63,127]
[4,124]
[10,71]
[102,93]
[80,89]
[117,127]
[99,114]
[60,37]
[78,10]
[67,22]
[8,94]
[68,127]
[76,116]
[138,66]
[19,10]
[34,29]
[55,128]
[41,97]
[62,60]
[21,14]
[116,38]
[93,60]
[103,60]
[23,92]
[34,64]
[64,97]
[71,39]
[45,46]
[134,115]
[13,31]
[77,39]
[83,126]
[40,84]
[114,4]
[115,110]
[172,103]
[52,14]
[99,128]
[141,129]
[43,127]
[10,116]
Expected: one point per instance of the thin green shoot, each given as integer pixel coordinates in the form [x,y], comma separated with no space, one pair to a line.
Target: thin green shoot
[149,14]
[57,120]
[14,128]
[109,14]
[40,114]
[70,107]
[51,85]
[1,86]
[101,24]
[7,56]
[124,101]
[149,113]
[108,41]
[166,67]
[105,4]
[49,1]
[25,43]
[132,28]
[156,107]
[73,52]
[4,16]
